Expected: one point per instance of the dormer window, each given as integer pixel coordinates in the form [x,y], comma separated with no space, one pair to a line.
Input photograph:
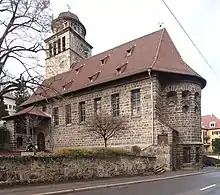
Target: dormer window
[130,51]
[104,60]
[212,124]
[94,77]
[67,85]
[121,69]
[79,68]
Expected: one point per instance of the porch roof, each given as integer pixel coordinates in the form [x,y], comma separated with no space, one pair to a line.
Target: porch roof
[32,110]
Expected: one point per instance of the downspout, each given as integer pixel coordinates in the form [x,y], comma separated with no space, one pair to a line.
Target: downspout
[151,81]
[152,103]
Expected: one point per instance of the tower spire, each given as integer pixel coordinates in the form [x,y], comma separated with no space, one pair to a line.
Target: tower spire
[68,7]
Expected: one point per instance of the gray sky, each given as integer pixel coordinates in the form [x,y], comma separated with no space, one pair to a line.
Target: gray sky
[112,22]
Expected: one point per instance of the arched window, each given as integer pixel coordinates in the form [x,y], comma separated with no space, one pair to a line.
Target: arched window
[196,109]
[185,94]
[197,96]
[171,97]
[185,108]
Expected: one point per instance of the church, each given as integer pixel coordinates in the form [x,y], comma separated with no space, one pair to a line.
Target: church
[144,80]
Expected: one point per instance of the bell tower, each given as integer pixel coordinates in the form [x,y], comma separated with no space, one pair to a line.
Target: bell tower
[67,45]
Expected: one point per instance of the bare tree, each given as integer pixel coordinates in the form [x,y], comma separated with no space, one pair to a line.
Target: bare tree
[23,25]
[106,126]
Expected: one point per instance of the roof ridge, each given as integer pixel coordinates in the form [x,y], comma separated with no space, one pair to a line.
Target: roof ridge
[158,48]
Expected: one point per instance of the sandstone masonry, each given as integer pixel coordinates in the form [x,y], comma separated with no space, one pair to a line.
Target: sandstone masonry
[56,169]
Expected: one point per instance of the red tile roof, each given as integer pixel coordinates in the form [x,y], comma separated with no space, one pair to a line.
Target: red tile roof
[154,51]
[206,119]
[29,110]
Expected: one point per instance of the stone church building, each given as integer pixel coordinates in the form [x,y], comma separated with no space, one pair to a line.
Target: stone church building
[145,80]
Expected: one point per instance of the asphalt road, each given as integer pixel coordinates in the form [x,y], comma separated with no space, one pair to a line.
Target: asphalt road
[206,184]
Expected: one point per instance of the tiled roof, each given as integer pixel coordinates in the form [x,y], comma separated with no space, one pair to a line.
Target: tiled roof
[29,110]
[206,119]
[154,51]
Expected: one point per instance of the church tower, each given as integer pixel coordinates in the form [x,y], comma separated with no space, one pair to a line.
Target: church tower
[67,45]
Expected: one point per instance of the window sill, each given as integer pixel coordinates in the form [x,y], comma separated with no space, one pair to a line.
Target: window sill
[136,116]
[82,122]
[69,124]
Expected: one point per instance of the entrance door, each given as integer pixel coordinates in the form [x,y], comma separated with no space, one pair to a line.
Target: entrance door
[41,142]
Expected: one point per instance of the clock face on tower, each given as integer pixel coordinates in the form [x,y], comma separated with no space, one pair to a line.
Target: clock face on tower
[61,61]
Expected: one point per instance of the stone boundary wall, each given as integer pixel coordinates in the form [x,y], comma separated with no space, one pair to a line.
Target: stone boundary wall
[24,170]
[162,154]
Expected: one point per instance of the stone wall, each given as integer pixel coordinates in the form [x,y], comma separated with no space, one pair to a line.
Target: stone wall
[51,169]
[162,154]
[139,127]
[188,123]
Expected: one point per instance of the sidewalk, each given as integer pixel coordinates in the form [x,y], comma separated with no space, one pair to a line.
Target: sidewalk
[84,185]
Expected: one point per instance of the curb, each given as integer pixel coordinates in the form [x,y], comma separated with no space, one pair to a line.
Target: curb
[120,184]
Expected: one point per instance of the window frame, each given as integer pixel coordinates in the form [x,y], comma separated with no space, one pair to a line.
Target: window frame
[96,105]
[135,101]
[59,45]
[115,104]
[54,48]
[82,111]
[63,43]
[56,120]
[68,114]
[50,49]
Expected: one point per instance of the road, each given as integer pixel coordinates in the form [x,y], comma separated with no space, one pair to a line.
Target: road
[204,184]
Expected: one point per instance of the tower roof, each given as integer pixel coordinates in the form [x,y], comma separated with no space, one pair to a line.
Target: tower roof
[154,51]
[68,15]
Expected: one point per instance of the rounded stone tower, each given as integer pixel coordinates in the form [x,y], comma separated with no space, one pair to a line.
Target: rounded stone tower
[182,111]
[67,45]
[68,19]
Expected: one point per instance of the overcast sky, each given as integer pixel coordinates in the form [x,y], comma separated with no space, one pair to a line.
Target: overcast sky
[112,22]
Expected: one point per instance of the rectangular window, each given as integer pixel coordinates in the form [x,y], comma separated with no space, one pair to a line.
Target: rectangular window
[50,50]
[186,155]
[135,101]
[82,111]
[68,114]
[115,104]
[197,154]
[162,139]
[56,116]
[10,106]
[59,45]
[97,105]
[54,48]
[14,107]
[64,43]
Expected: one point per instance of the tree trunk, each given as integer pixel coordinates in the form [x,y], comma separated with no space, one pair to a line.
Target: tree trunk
[105,140]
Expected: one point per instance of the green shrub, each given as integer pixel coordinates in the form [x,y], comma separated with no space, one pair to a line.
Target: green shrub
[90,152]
[136,150]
